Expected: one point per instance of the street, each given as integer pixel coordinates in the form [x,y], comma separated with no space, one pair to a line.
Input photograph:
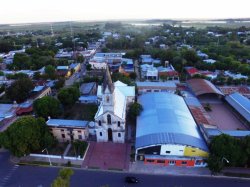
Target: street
[33,176]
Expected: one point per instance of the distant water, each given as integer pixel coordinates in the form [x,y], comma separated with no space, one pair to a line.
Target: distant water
[147,24]
[19,25]
[205,21]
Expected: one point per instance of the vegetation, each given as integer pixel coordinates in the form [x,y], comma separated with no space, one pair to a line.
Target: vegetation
[63,179]
[26,135]
[68,96]
[236,151]
[47,106]
[19,91]
[135,110]
[79,148]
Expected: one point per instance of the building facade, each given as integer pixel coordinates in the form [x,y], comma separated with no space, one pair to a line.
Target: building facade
[110,119]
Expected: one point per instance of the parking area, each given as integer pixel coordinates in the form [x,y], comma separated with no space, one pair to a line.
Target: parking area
[224,118]
[107,156]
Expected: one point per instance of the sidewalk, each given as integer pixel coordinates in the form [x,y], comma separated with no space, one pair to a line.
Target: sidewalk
[140,167]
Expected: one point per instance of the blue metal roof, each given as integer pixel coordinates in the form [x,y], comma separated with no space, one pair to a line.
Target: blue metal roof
[240,103]
[67,123]
[234,133]
[166,119]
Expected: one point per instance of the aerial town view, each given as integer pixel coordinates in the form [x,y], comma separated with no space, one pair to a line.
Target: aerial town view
[125,93]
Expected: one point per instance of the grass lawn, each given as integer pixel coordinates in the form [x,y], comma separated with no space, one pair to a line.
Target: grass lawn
[77,148]
[56,150]
[81,112]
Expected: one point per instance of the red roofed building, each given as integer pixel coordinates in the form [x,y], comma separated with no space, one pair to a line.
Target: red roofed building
[191,71]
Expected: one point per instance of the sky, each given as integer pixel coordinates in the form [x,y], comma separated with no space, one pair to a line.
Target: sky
[29,11]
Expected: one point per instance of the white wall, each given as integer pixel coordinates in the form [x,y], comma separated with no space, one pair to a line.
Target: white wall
[177,150]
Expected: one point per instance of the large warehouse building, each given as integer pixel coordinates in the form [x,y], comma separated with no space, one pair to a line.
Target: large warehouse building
[166,132]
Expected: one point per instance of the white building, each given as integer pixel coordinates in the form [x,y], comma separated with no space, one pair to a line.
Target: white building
[110,119]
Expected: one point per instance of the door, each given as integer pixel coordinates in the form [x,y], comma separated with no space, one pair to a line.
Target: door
[110,136]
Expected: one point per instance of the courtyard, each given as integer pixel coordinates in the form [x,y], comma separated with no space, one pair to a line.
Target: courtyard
[224,118]
[107,156]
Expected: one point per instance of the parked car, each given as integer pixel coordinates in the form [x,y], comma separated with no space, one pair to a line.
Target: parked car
[131,179]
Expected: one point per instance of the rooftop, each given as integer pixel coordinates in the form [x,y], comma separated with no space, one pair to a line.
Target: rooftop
[67,123]
[157,84]
[166,119]
[240,103]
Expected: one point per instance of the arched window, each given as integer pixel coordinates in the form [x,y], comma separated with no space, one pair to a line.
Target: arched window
[109,119]
[100,133]
[100,123]
[119,124]
[119,135]
[107,99]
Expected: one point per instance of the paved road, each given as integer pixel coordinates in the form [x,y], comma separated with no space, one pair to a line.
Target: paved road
[31,176]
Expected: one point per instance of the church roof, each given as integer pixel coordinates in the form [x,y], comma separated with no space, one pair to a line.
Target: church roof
[107,82]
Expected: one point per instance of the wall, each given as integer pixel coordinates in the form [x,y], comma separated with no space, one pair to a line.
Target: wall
[177,150]
[57,133]
[191,151]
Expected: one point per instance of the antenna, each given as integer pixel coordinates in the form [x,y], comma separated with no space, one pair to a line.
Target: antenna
[52,31]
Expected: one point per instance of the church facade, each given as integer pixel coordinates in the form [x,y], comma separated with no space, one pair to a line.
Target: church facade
[110,119]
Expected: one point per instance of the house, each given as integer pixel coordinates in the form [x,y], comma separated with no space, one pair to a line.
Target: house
[76,67]
[209,61]
[191,71]
[166,133]
[68,130]
[202,55]
[64,54]
[146,87]
[25,108]
[127,66]
[168,72]
[63,71]
[88,88]
[40,91]
[240,104]
[147,59]
[149,72]
[7,113]
[101,60]
[110,119]
[89,99]
[234,75]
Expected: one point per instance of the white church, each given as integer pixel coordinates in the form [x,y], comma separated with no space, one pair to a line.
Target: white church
[110,119]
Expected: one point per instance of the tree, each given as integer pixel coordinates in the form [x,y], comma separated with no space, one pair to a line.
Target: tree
[68,96]
[63,179]
[19,90]
[50,71]
[135,110]
[132,75]
[47,106]
[59,83]
[26,135]
[227,147]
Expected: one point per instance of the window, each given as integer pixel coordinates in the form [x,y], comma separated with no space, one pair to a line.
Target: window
[161,161]
[183,162]
[148,90]
[62,130]
[150,160]
[109,119]
[181,150]
[119,135]
[100,123]
[107,99]
[119,124]
[168,152]
[171,162]
[79,137]
[193,151]
[79,131]
[100,133]
[63,135]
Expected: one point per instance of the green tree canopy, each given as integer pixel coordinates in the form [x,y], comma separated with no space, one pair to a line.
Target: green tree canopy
[47,106]
[68,96]
[26,135]
[50,71]
[63,179]
[135,110]
[19,90]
